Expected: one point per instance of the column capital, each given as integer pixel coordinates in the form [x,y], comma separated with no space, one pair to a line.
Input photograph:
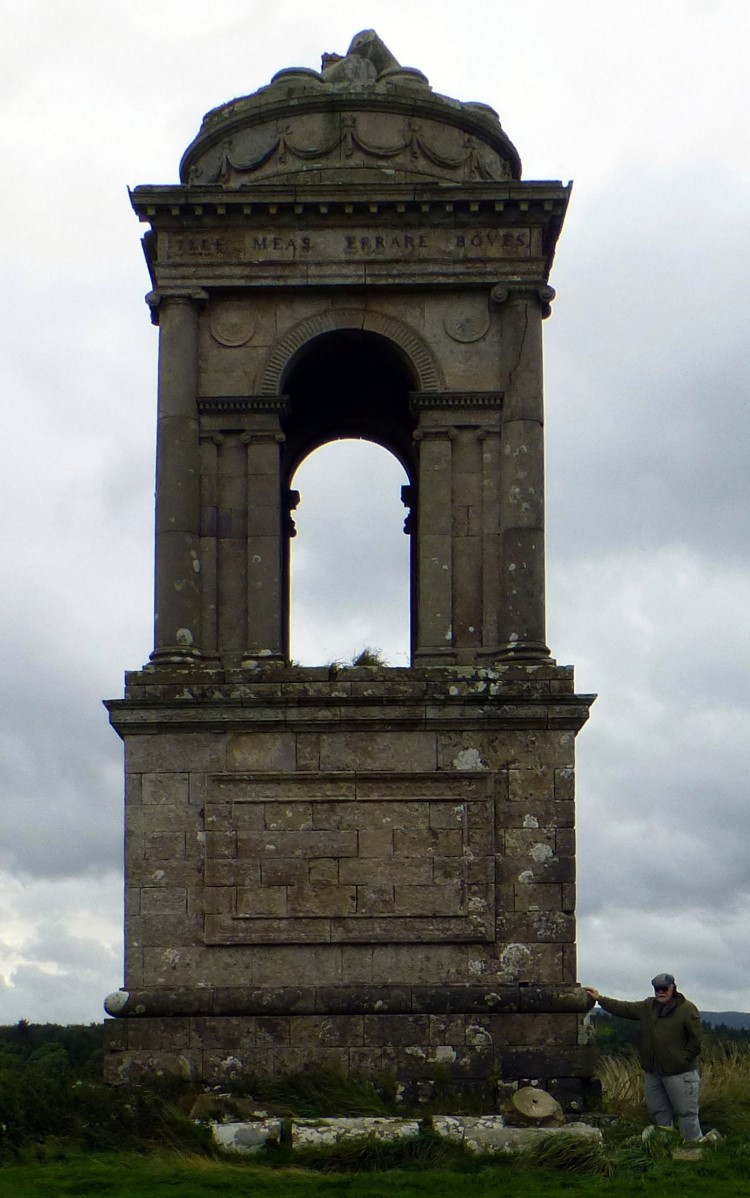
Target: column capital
[258,436]
[185,295]
[524,289]
[221,405]
[439,433]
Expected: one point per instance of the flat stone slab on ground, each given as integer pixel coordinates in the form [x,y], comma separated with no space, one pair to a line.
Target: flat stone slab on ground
[317,1133]
[246,1137]
[482,1133]
[489,1133]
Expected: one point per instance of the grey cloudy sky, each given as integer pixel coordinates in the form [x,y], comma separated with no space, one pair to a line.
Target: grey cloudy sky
[644,105]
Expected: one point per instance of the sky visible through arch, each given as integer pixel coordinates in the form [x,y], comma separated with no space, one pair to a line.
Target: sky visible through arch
[350,557]
[644,105]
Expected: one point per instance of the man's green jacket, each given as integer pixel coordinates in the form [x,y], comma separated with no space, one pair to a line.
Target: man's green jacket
[670,1043]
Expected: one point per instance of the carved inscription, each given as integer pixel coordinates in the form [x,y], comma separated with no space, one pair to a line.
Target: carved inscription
[202,247]
[345,859]
[335,245]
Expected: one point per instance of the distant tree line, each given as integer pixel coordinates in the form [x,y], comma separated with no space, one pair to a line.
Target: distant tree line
[79,1046]
[615,1035]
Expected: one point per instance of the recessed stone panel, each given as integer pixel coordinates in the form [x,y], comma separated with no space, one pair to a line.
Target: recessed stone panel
[405,857]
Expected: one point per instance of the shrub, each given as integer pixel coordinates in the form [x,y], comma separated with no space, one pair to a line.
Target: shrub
[44,1098]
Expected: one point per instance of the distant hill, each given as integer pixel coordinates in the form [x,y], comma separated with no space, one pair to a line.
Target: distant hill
[735,1019]
[739,1019]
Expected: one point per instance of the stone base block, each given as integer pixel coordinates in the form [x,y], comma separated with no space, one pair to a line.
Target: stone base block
[473,1054]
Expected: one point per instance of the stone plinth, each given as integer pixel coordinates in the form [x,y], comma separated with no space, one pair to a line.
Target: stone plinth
[351,867]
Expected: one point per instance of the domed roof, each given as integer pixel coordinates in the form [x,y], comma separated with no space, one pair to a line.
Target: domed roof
[362,117]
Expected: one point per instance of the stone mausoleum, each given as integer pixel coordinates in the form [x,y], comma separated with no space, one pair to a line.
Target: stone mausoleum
[365,868]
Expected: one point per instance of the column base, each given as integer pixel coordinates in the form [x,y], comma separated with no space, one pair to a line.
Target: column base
[253,658]
[175,655]
[523,651]
[438,656]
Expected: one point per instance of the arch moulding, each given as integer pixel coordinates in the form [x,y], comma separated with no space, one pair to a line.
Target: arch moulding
[400,334]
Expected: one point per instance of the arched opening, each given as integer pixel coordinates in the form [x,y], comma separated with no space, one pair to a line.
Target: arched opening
[350,386]
[349,383]
[350,561]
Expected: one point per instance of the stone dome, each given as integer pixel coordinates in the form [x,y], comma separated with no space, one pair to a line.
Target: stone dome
[362,118]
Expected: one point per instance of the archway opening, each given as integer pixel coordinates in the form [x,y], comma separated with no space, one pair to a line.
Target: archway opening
[349,383]
[349,451]
[350,561]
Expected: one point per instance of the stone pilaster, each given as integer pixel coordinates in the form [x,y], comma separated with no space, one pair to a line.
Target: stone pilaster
[490,449]
[177,584]
[522,591]
[210,446]
[467,543]
[435,547]
[232,546]
[265,545]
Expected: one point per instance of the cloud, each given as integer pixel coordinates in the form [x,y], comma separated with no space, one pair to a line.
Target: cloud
[627,949]
[60,954]
[647,433]
[647,373]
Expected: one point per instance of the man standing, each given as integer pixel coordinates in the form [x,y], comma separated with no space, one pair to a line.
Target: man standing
[669,1052]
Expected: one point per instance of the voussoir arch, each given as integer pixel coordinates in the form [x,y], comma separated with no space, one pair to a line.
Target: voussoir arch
[401,334]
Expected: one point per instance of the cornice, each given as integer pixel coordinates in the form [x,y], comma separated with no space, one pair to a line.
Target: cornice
[168,203]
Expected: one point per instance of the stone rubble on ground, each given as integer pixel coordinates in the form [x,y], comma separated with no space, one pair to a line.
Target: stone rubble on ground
[484,1133]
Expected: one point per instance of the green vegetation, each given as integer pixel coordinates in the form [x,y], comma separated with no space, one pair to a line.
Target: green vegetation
[725,1171]
[51,1092]
[317,1093]
[62,1132]
[369,657]
[725,1087]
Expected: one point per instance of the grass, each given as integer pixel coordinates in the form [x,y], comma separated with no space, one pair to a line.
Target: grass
[725,1088]
[723,1172]
[139,1142]
[321,1093]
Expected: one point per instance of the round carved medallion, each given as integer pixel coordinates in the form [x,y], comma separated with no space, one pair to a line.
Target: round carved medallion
[230,322]
[467,322]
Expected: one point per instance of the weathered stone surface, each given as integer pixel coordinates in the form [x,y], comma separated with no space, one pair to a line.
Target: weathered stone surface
[483,1134]
[488,1133]
[246,1138]
[406,832]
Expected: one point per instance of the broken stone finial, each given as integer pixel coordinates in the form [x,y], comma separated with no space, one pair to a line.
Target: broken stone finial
[368,45]
[366,59]
[329,60]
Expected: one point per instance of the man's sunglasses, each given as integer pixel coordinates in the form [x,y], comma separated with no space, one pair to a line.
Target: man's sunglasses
[661,989]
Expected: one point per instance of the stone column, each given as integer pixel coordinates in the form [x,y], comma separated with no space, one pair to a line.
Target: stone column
[177,576]
[467,542]
[266,530]
[522,599]
[210,446]
[491,457]
[434,606]
[232,547]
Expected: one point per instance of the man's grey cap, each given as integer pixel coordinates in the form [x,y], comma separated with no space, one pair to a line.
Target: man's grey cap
[663,979]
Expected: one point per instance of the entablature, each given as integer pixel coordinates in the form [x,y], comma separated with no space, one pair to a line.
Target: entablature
[293,227]
[168,201]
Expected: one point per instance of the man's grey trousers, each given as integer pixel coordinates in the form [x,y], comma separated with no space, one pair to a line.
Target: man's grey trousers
[675,1096]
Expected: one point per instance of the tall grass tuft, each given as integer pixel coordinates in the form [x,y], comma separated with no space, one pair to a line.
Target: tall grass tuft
[368,1154]
[568,1154]
[321,1093]
[725,1087]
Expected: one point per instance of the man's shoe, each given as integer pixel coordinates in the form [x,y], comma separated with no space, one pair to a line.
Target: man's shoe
[711,1137]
